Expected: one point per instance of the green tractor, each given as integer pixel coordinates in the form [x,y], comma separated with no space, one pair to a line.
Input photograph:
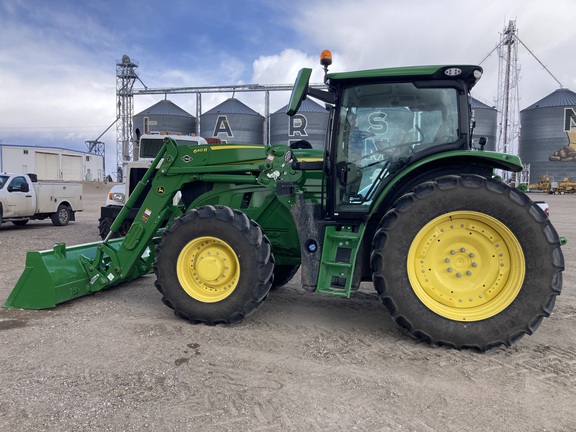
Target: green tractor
[398,196]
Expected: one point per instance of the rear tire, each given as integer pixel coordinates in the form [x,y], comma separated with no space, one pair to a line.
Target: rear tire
[467,262]
[213,265]
[62,216]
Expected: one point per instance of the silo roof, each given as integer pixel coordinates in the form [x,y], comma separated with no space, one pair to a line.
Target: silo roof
[476,104]
[167,108]
[558,98]
[308,106]
[232,106]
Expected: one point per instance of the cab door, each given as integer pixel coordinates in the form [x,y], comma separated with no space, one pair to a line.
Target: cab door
[20,198]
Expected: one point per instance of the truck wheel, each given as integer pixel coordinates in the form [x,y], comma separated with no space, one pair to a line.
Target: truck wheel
[62,215]
[283,274]
[104,225]
[467,262]
[213,265]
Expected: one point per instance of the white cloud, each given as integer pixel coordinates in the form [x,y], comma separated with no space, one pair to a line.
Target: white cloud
[388,33]
[58,75]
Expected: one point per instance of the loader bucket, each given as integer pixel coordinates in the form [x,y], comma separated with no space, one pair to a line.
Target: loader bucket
[60,274]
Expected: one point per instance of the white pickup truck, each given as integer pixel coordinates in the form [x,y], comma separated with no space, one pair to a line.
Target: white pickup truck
[23,198]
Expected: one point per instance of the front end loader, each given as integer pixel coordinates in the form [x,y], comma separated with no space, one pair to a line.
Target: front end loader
[399,196]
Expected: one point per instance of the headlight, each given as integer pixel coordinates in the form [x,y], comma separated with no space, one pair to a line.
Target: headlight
[116,196]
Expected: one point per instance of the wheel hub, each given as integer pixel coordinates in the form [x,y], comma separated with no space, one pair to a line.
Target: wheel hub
[208,269]
[466,266]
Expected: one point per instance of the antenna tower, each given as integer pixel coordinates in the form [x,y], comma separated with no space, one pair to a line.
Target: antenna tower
[125,79]
[508,100]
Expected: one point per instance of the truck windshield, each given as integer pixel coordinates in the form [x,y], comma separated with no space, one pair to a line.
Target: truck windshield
[381,126]
[3,180]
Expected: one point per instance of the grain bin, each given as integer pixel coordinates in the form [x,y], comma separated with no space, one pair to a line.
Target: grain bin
[310,124]
[548,138]
[486,121]
[233,122]
[164,116]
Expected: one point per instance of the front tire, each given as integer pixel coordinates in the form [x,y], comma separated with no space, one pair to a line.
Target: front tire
[467,262]
[213,265]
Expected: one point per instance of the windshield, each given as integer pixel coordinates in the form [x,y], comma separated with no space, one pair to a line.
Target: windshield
[3,180]
[381,126]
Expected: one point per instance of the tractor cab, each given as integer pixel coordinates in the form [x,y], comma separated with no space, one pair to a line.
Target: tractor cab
[384,121]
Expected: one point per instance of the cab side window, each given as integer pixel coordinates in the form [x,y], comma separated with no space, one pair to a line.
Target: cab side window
[17,185]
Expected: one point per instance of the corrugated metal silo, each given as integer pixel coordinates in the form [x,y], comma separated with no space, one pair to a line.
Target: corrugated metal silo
[486,119]
[548,138]
[233,122]
[308,124]
[163,116]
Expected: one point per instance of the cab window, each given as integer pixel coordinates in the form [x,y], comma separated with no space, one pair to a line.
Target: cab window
[16,184]
[383,126]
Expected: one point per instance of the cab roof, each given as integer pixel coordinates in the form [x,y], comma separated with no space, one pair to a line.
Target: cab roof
[468,73]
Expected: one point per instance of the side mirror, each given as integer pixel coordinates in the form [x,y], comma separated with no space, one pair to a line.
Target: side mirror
[299,91]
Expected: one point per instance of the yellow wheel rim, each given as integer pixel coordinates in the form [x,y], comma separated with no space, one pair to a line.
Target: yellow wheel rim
[208,269]
[466,266]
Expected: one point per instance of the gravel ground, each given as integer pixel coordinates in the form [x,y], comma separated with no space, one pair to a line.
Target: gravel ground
[120,360]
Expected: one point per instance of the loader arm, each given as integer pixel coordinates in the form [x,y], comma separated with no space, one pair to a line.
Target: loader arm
[64,273]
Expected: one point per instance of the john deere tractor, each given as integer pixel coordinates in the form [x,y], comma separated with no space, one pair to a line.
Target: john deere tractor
[398,197]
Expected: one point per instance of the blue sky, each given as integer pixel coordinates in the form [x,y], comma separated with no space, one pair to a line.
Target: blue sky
[58,57]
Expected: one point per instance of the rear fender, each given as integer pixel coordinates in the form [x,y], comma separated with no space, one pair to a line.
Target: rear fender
[455,162]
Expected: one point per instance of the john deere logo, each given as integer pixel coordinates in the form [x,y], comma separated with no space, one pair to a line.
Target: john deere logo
[160,190]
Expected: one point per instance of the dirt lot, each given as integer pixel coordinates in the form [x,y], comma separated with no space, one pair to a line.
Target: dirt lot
[120,360]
